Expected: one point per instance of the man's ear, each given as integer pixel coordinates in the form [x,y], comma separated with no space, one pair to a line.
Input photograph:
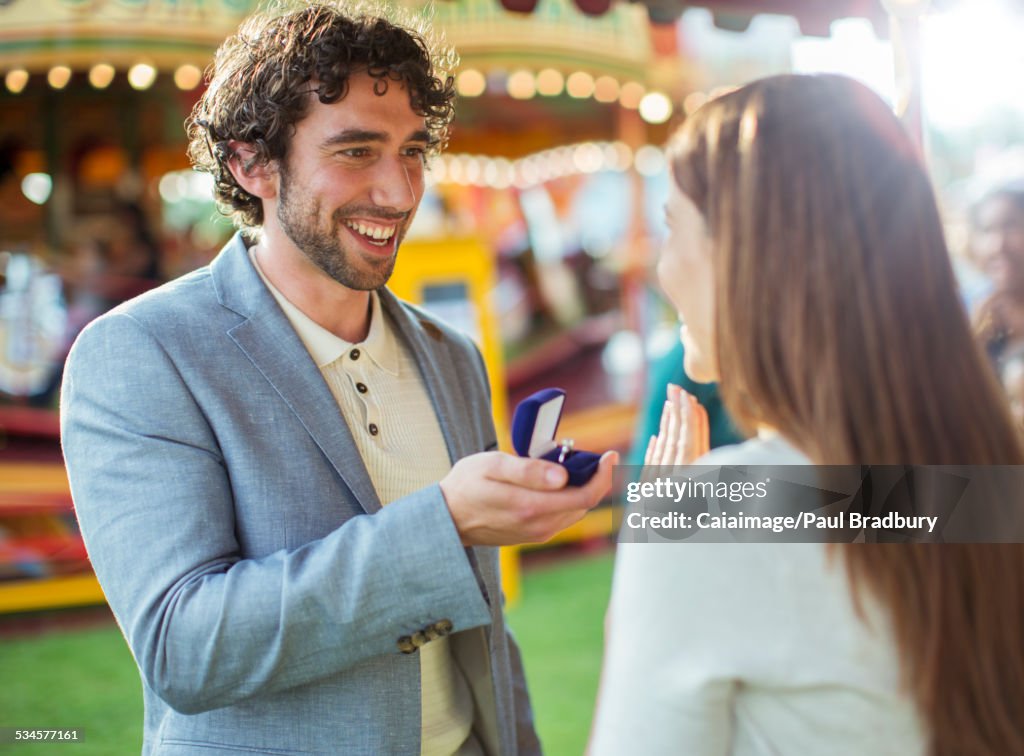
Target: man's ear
[259,179]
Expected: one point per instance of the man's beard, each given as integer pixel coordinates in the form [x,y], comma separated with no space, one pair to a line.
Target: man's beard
[301,223]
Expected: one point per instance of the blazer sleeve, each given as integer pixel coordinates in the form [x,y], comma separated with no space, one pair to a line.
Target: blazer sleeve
[209,628]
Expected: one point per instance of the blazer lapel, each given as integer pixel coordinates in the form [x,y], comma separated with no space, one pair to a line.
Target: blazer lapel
[268,340]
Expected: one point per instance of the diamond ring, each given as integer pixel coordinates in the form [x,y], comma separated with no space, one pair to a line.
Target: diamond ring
[567,445]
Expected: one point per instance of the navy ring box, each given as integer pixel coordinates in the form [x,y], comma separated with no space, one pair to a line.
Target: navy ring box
[534,424]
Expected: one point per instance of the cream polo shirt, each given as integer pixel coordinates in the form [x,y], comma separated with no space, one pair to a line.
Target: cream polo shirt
[381,395]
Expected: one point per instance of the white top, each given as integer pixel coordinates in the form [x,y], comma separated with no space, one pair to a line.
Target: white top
[381,395]
[742,648]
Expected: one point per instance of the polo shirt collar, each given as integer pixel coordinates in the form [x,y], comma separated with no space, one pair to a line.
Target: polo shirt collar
[325,347]
[380,342]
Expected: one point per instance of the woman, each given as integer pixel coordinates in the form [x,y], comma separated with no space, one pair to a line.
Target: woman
[997,246]
[807,260]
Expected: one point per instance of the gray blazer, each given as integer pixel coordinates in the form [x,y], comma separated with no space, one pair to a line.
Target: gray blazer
[267,597]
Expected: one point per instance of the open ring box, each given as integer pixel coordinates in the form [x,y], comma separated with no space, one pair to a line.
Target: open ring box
[533,435]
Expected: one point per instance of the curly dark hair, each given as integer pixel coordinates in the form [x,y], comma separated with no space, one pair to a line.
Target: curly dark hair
[258,91]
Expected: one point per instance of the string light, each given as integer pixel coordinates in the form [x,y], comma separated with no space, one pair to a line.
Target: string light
[650,160]
[606,89]
[15,80]
[101,75]
[656,107]
[58,77]
[631,94]
[580,85]
[187,77]
[548,165]
[521,85]
[141,76]
[470,83]
[550,82]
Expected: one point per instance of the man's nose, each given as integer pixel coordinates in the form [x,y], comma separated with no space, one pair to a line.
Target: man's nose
[396,185]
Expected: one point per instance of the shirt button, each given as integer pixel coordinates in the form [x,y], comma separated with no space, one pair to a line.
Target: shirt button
[354,354]
[361,388]
[374,430]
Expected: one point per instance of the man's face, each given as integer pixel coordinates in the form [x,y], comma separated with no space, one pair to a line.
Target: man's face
[352,180]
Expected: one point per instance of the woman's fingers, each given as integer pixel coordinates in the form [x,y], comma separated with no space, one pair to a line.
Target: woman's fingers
[683,433]
[659,444]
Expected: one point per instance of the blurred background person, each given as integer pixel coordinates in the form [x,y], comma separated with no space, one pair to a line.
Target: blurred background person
[997,247]
[807,258]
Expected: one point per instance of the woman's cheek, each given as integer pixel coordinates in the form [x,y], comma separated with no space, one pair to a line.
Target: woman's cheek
[670,277]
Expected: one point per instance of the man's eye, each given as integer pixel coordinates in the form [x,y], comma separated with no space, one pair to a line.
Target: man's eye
[415,151]
[354,152]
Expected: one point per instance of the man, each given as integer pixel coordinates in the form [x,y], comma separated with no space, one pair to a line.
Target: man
[254,449]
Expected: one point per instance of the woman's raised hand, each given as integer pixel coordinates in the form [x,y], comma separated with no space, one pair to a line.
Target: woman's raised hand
[684,435]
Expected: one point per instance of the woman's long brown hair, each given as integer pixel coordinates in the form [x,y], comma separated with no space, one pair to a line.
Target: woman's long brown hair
[838,322]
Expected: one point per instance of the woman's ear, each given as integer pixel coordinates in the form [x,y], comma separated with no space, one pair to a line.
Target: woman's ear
[257,178]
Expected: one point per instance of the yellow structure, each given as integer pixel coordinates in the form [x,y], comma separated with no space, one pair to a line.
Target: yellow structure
[31,493]
[454,278]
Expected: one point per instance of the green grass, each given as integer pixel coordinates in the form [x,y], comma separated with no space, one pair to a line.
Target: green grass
[82,679]
[559,625]
[86,678]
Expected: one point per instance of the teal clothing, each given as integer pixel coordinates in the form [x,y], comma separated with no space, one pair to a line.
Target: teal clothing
[669,369]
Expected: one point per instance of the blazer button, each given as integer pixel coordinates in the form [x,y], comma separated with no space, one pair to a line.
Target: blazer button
[405,645]
[444,626]
[419,639]
[433,633]
[361,388]
[354,354]
[374,430]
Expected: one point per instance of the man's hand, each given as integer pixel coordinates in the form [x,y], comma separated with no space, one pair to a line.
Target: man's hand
[496,499]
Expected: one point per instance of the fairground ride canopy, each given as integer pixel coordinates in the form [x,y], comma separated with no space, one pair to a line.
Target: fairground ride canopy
[37,34]
[84,46]
[556,35]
